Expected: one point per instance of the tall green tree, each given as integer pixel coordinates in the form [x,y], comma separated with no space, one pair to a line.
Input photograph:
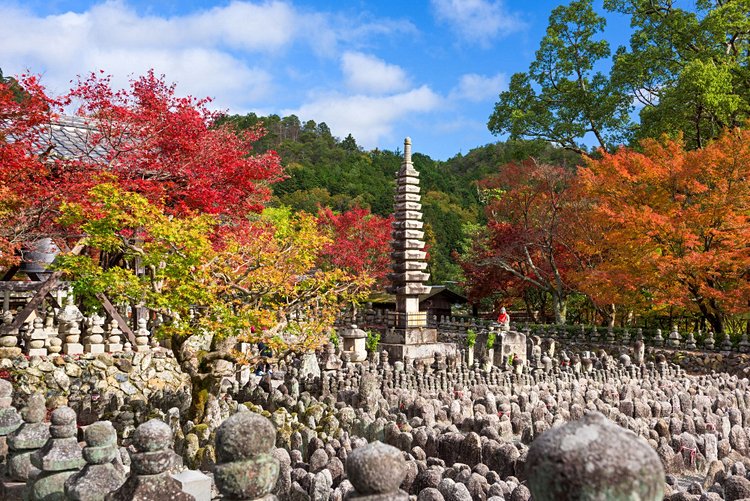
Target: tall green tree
[563,97]
[688,67]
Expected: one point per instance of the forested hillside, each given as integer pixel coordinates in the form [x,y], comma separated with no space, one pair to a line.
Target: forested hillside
[326,171]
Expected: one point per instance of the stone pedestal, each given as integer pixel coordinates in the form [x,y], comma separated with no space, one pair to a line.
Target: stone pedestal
[415,343]
[195,483]
[507,344]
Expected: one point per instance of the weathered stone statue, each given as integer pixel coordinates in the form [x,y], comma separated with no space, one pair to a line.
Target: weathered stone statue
[10,420]
[100,475]
[376,472]
[246,468]
[150,461]
[29,437]
[592,459]
[60,458]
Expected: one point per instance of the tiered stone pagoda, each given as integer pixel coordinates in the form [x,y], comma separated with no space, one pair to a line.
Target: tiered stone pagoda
[408,334]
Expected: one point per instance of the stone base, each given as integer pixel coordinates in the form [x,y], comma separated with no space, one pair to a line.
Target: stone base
[418,351]
[38,352]
[10,490]
[73,348]
[410,335]
[195,483]
[114,348]
[94,348]
[49,485]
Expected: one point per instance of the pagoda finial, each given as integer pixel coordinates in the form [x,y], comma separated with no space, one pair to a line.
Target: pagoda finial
[407,150]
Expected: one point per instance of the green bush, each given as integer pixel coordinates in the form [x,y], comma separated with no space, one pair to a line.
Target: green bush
[335,339]
[471,338]
[491,340]
[372,341]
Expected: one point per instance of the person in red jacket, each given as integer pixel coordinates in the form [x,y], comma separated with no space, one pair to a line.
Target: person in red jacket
[503,319]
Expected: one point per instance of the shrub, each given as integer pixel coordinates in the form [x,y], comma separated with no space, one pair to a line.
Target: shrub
[335,339]
[491,340]
[471,338]
[372,341]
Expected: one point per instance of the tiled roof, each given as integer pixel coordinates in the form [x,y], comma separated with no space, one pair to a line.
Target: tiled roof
[72,138]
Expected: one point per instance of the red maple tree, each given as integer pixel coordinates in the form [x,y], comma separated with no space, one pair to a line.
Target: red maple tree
[360,242]
[526,245]
[146,138]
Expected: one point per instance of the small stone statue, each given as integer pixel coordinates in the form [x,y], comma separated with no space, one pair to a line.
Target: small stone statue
[29,437]
[674,338]
[246,469]
[376,471]
[504,320]
[60,457]
[10,420]
[577,461]
[142,335]
[151,458]
[708,342]
[37,339]
[100,476]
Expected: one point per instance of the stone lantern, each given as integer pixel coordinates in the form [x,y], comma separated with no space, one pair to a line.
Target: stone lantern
[353,342]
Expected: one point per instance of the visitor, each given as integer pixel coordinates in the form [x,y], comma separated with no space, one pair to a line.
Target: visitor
[265,352]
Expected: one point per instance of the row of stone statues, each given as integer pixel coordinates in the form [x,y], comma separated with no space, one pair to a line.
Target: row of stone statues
[69,333]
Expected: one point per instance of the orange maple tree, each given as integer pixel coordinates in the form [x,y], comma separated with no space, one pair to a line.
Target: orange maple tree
[678,226]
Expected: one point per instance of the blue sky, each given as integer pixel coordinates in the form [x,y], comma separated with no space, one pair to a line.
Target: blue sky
[380,70]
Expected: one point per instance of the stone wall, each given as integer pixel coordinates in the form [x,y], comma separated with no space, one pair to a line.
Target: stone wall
[101,386]
[692,361]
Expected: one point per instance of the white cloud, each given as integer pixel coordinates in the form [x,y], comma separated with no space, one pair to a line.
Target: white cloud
[368,74]
[369,119]
[477,88]
[196,50]
[238,53]
[477,21]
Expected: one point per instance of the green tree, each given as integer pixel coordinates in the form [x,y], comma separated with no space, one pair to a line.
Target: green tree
[259,280]
[687,68]
[562,98]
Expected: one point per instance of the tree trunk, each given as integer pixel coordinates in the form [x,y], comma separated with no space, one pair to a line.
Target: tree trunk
[611,315]
[206,370]
[560,306]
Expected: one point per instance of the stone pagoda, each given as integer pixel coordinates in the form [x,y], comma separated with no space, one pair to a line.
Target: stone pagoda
[407,333]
